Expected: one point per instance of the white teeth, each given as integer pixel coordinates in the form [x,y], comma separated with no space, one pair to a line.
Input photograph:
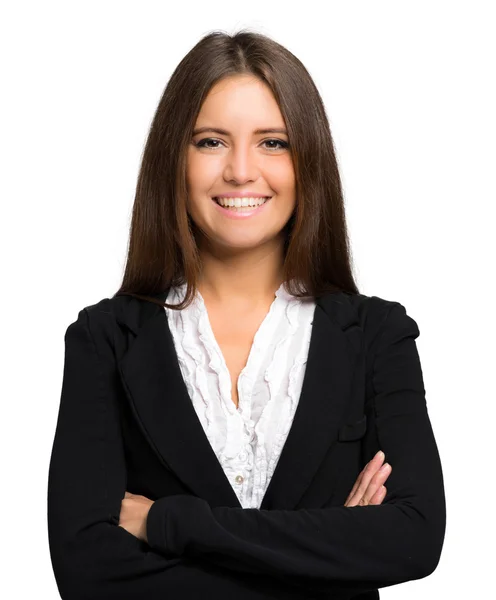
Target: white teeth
[238,202]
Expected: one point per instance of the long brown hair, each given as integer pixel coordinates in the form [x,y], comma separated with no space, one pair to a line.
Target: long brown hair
[162,249]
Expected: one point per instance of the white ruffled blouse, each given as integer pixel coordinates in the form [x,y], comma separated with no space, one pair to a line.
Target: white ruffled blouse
[247,440]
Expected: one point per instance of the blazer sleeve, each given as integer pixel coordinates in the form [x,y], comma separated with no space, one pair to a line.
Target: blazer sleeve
[360,547]
[92,557]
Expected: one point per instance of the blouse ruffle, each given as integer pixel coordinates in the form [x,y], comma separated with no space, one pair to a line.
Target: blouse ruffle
[247,441]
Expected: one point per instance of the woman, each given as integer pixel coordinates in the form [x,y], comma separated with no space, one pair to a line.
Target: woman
[226,416]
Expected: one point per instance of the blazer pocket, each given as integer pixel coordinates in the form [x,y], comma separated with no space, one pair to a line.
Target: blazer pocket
[353,431]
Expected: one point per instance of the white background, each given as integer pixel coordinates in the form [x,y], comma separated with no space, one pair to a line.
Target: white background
[409,88]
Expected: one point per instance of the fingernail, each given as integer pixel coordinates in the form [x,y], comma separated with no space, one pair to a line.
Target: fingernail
[381,454]
[384,467]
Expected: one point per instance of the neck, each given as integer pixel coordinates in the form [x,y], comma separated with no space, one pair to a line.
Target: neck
[242,279]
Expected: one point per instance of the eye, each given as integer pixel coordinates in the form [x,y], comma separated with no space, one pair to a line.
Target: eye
[280,142]
[203,144]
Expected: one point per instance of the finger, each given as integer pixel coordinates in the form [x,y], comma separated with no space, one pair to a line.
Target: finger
[355,486]
[375,484]
[372,479]
[379,496]
[365,476]
[377,461]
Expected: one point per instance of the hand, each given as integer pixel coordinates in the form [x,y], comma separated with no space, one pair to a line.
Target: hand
[134,512]
[369,488]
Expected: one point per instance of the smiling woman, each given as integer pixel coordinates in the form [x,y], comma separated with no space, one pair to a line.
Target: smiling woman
[225,416]
[241,118]
[244,165]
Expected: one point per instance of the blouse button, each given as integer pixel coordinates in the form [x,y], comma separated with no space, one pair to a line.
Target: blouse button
[239,479]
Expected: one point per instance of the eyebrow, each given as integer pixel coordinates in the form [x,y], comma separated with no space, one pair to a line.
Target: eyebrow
[225,132]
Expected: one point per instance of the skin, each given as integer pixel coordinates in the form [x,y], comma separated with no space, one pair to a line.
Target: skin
[242,259]
[134,513]
[369,487]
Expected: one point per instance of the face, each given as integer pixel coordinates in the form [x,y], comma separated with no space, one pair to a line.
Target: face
[240,161]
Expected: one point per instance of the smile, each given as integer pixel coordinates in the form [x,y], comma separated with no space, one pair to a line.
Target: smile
[239,208]
[241,202]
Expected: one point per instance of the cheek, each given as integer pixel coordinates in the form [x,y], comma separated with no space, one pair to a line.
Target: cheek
[282,178]
[193,208]
[202,172]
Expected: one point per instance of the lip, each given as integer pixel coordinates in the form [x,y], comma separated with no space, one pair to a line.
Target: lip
[241,195]
[232,214]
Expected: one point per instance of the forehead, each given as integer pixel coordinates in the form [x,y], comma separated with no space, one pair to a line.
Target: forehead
[240,100]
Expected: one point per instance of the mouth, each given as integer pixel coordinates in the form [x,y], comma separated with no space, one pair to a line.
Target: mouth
[241,212]
[240,204]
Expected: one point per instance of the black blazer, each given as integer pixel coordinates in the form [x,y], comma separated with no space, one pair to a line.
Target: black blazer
[126,422]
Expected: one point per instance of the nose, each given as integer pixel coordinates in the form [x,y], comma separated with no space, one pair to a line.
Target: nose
[241,165]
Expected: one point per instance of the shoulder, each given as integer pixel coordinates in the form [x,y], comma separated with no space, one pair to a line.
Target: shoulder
[101,310]
[106,326]
[369,311]
[375,311]
[93,323]
[126,312]
[375,316]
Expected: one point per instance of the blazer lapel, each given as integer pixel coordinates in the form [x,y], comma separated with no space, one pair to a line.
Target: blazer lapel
[159,399]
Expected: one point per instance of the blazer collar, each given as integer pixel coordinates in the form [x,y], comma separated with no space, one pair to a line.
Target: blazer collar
[161,404]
